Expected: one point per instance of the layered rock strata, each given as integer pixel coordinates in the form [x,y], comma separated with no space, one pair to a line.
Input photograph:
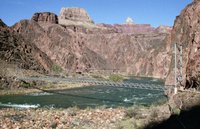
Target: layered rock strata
[74,16]
[46,17]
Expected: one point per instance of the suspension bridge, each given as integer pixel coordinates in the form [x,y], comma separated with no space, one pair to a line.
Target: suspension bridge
[93,81]
[149,86]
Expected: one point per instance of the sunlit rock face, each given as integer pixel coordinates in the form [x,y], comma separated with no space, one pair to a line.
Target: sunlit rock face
[77,16]
[186,32]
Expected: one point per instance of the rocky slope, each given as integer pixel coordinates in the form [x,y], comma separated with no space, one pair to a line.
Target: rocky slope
[131,49]
[18,58]
[13,49]
[186,32]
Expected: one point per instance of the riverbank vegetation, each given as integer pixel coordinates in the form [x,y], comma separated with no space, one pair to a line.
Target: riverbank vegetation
[116,77]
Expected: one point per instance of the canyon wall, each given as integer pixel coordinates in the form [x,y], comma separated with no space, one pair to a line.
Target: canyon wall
[134,54]
[186,32]
[136,49]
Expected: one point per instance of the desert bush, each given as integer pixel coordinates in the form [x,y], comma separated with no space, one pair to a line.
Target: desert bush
[25,84]
[56,68]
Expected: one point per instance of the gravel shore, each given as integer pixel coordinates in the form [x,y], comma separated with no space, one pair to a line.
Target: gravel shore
[71,118]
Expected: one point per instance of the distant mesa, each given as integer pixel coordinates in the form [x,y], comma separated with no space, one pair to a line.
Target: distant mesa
[71,15]
[164,29]
[129,21]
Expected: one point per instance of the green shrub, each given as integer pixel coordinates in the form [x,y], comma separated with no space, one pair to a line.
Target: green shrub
[116,78]
[98,77]
[25,84]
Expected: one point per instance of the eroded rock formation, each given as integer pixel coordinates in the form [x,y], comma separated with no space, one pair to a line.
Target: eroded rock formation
[74,16]
[45,17]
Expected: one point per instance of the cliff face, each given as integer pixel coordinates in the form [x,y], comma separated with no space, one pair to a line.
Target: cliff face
[186,32]
[13,49]
[136,54]
[74,16]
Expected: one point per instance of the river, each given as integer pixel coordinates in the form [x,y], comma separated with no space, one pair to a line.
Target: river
[92,96]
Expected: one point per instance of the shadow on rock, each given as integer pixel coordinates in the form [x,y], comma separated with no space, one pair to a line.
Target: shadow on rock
[189,119]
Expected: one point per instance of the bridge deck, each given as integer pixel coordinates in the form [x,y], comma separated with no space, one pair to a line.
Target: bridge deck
[92,81]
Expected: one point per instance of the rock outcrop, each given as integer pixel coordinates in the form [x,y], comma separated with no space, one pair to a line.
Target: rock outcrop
[74,16]
[45,17]
[186,32]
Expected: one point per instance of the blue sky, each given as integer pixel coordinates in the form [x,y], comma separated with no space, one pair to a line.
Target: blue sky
[154,12]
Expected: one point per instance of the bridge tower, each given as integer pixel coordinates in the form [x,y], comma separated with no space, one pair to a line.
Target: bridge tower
[178,66]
